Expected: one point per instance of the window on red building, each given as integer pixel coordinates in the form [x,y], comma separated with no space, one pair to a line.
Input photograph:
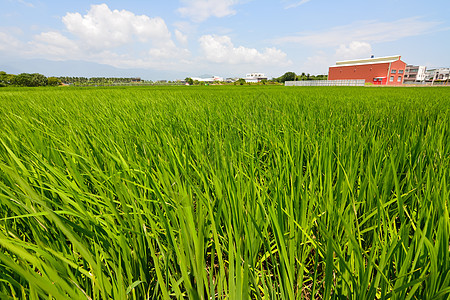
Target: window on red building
[393,71]
[399,79]
[391,79]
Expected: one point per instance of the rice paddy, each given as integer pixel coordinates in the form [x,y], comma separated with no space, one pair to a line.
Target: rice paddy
[224,193]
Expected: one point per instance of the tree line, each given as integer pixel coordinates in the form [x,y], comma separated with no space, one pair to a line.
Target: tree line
[26,79]
[36,79]
[291,76]
[100,80]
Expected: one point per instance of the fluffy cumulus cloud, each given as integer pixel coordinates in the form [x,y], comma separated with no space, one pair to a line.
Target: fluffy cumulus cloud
[200,10]
[354,50]
[115,37]
[104,28]
[220,49]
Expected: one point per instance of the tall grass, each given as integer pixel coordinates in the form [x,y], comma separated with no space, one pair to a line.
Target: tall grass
[224,192]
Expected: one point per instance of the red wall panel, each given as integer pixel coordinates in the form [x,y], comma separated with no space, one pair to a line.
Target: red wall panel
[399,68]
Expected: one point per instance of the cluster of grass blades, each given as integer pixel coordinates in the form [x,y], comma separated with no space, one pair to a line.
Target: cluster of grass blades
[224,193]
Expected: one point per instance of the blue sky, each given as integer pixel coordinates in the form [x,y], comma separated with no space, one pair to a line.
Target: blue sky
[227,38]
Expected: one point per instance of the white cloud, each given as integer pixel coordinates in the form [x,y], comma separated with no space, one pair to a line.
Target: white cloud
[54,45]
[220,49]
[200,10]
[118,38]
[54,38]
[354,50]
[102,28]
[296,4]
[8,43]
[181,38]
[364,31]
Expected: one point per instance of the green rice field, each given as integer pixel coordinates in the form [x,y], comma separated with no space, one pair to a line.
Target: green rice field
[232,192]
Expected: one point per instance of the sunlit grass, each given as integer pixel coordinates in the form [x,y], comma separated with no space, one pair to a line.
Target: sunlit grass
[224,192]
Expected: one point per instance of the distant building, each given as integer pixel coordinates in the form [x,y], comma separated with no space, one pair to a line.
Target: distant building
[441,74]
[415,74]
[231,79]
[255,77]
[209,80]
[181,81]
[136,79]
[388,70]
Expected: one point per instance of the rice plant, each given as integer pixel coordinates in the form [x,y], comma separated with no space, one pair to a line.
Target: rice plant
[224,193]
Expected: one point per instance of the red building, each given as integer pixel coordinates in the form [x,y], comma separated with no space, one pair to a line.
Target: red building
[388,70]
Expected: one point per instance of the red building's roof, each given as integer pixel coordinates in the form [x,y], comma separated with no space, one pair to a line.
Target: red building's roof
[367,61]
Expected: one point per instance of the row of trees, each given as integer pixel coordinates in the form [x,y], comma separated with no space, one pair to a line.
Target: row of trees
[291,76]
[99,80]
[26,79]
[36,79]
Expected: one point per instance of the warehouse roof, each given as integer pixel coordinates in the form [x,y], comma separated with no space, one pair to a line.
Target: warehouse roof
[367,61]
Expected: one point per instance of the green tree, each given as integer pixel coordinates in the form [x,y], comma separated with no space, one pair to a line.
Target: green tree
[189,80]
[288,76]
[53,81]
[302,77]
[38,80]
[3,79]
[31,80]
[23,79]
[241,81]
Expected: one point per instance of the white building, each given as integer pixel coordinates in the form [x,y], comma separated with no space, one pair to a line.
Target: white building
[209,80]
[415,74]
[437,74]
[255,77]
